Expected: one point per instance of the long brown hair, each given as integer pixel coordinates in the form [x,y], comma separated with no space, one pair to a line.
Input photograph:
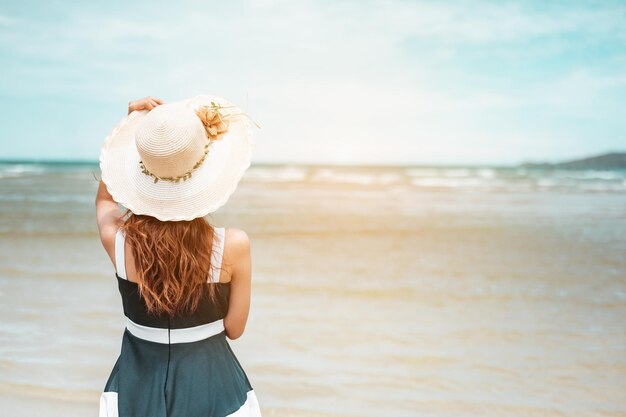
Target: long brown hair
[172,261]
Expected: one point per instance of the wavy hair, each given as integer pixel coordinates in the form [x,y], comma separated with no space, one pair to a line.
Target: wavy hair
[172,261]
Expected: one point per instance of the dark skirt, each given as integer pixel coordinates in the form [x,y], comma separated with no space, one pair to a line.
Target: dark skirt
[195,379]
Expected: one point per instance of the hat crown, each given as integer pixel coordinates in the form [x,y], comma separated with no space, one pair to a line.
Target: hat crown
[170,140]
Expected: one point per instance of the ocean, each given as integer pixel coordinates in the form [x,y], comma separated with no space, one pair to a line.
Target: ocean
[377,291]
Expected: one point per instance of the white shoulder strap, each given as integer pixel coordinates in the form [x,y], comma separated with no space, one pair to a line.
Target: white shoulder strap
[217,255]
[119,254]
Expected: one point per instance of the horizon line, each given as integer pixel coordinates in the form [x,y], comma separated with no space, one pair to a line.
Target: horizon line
[52,161]
[93,162]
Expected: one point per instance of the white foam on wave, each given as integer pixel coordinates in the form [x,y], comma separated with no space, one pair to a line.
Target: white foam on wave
[48,198]
[448,182]
[593,175]
[457,172]
[278,174]
[486,173]
[360,178]
[547,182]
[521,179]
[17,170]
[422,172]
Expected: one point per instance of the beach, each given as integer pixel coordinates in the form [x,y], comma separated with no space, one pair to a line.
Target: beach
[377,291]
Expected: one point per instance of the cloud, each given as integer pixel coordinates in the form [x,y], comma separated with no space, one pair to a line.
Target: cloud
[343,81]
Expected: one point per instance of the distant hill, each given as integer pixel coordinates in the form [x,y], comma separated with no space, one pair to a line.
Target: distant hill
[613,160]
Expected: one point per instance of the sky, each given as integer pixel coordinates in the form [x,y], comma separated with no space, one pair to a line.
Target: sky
[331,82]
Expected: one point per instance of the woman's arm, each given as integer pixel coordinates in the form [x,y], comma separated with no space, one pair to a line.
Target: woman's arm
[107,211]
[237,254]
[107,214]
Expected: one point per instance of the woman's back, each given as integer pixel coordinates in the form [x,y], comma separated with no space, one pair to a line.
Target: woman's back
[180,365]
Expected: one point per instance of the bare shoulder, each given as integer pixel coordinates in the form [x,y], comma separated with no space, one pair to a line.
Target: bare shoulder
[237,253]
[236,241]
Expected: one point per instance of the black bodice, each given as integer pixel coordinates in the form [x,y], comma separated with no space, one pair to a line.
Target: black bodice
[208,311]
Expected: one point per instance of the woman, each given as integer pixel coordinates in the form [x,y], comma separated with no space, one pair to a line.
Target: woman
[185,284]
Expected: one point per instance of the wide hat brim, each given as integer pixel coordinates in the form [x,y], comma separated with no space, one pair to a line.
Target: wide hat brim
[208,188]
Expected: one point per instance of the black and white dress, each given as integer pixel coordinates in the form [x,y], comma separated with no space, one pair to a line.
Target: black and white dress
[176,367]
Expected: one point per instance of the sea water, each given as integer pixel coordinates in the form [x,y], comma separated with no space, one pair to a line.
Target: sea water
[377,291]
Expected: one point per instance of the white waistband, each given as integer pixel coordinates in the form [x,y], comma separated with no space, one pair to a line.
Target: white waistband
[185,335]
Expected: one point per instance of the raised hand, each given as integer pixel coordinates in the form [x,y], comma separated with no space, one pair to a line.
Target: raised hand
[146,103]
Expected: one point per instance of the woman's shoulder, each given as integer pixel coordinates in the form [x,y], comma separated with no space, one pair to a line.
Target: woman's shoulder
[237,251]
[236,240]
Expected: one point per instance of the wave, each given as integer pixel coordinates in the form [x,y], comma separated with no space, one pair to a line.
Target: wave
[17,170]
[514,179]
[48,198]
[279,174]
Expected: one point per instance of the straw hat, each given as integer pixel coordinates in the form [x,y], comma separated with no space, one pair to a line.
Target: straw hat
[179,161]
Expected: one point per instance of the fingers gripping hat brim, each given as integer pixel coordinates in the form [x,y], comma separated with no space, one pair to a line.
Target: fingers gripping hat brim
[208,188]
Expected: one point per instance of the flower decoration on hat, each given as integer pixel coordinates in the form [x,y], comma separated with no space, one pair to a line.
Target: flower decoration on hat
[213,121]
